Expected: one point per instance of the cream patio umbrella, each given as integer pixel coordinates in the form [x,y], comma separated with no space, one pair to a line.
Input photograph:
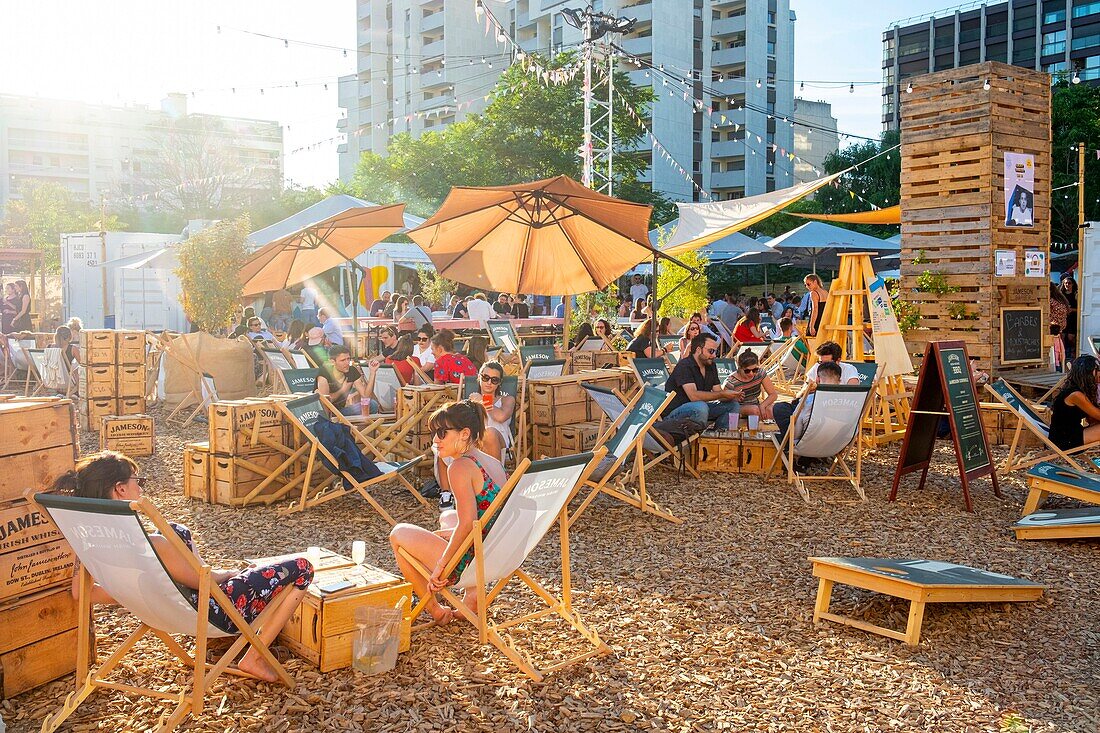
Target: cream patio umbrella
[548,237]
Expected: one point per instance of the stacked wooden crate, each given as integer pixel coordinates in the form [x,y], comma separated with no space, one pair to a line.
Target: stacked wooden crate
[134,435]
[112,375]
[37,609]
[410,436]
[956,127]
[563,420]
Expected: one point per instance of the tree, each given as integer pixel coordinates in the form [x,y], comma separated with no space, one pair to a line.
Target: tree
[679,292]
[434,287]
[209,273]
[286,203]
[46,211]
[527,132]
[1075,118]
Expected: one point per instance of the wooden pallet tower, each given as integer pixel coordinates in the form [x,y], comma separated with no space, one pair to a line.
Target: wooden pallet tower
[849,311]
[956,127]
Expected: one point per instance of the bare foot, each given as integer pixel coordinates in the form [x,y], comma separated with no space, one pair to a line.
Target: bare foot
[252,663]
[442,615]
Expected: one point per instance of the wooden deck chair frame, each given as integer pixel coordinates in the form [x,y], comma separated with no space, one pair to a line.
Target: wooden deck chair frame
[630,446]
[788,384]
[496,633]
[513,385]
[313,449]
[190,699]
[207,393]
[39,358]
[785,450]
[16,352]
[299,359]
[651,371]
[274,361]
[35,385]
[1027,417]
[418,371]
[725,336]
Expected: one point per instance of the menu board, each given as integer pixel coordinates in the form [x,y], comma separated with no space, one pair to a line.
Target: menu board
[963,406]
[1022,336]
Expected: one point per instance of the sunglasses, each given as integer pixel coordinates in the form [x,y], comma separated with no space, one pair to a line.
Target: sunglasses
[488,378]
[710,351]
[140,481]
[752,370]
[423,339]
[442,432]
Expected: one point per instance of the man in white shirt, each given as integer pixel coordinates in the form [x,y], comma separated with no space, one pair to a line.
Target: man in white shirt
[309,305]
[776,307]
[638,290]
[333,335]
[480,310]
[830,351]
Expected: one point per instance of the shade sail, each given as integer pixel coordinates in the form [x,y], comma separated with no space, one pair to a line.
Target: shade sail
[319,246]
[548,237]
[720,250]
[889,215]
[704,223]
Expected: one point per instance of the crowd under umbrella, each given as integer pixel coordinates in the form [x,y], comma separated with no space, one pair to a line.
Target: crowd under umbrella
[547,237]
[317,239]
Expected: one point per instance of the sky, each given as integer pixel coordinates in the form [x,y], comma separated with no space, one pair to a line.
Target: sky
[136,51]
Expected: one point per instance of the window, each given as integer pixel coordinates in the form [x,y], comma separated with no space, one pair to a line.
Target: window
[969,56]
[771,48]
[945,36]
[997,52]
[1054,43]
[1085,42]
[996,26]
[1058,68]
[913,44]
[1023,53]
[1054,16]
[1023,21]
[970,30]
[1081,9]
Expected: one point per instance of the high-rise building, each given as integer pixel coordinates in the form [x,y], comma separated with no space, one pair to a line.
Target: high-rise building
[102,151]
[814,140]
[1056,36]
[734,60]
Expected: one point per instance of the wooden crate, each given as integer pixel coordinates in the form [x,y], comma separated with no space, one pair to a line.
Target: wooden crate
[23,525]
[543,441]
[954,135]
[92,411]
[733,455]
[230,481]
[412,399]
[33,567]
[43,647]
[196,471]
[417,443]
[133,435]
[37,444]
[230,419]
[97,346]
[561,414]
[97,381]
[1000,427]
[578,438]
[129,381]
[38,662]
[323,627]
[131,405]
[130,347]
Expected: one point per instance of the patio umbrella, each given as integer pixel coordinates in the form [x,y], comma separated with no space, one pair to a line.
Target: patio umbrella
[548,237]
[817,243]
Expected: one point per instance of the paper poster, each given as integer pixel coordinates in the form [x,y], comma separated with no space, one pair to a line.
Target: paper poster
[1006,263]
[890,349]
[1035,263]
[1019,190]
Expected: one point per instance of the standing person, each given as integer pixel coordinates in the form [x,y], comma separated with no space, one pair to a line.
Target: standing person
[729,313]
[638,289]
[21,321]
[1059,308]
[694,379]
[474,478]
[1077,402]
[333,335]
[747,330]
[818,295]
[502,308]
[8,307]
[114,476]
[422,349]
[499,408]
[307,300]
[520,309]
[480,310]
[450,367]
[378,305]
[282,306]
[340,380]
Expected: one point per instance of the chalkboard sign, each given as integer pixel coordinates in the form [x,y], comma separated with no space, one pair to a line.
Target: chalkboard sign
[945,389]
[1022,332]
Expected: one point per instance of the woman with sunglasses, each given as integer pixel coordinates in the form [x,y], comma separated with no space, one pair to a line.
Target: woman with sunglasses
[1076,402]
[603,330]
[474,478]
[422,347]
[399,358]
[498,406]
[749,381]
[692,330]
[111,475]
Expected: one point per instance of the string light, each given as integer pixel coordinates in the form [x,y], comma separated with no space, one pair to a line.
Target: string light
[758,84]
[852,88]
[986,85]
[1076,77]
[909,89]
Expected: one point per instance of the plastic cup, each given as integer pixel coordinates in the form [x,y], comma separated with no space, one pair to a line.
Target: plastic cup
[488,400]
[358,552]
[754,422]
[735,420]
[313,554]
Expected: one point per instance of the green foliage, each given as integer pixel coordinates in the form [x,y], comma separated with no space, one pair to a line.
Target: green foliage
[1075,118]
[527,132]
[679,292]
[210,262]
[46,211]
[958,312]
[934,282]
[597,304]
[435,288]
[1012,722]
[908,314]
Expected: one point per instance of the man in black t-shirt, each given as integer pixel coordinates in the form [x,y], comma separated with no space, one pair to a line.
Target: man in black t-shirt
[502,307]
[520,309]
[343,383]
[695,381]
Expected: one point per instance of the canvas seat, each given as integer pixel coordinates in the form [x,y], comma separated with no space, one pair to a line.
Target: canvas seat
[303,413]
[206,394]
[652,372]
[628,437]
[833,431]
[1027,418]
[18,367]
[273,361]
[296,381]
[113,547]
[535,496]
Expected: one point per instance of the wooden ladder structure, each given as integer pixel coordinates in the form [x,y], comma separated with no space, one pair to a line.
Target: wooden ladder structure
[845,320]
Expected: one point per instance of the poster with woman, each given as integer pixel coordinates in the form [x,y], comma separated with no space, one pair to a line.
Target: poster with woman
[1019,190]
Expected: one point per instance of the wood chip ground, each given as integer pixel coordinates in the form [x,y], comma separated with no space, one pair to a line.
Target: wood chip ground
[709,621]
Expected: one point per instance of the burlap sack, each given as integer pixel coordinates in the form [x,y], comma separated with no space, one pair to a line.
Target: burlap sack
[188,355]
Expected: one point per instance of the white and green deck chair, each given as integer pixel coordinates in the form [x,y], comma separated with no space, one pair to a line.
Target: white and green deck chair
[651,372]
[296,381]
[112,544]
[626,431]
[543,369]
[725,367]
[1028,419]
[502,335]
[18,365]
[725,337]
[303,414]
[35,384]
[759,348]
[298,359]
[671,345]
[867,370]
[832,431]
[536,495]
[274,361]
[387,388]
[1094,345]
[536,352]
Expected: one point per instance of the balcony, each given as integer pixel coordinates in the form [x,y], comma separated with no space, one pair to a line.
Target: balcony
[733,117]
[435,78]
[728,179]
[642,12]
[728,149]
[638,46]
[727,26]
[432,22]
[431,50]
[53,146]
[728,57]
[342,123]
[364,9]
[443,100]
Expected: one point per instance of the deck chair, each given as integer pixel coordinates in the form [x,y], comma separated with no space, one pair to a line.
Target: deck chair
[1094,344]
[299,360]
[510,385]
[274,361]
[113,547]
[502,335]
[867,370]
[1028,418]
[627,438]
[53,374]
[725,334]
[18,364]
[1048,478]
[725,368]
[833,431]
[296,381]
[759,348]
[317,356]
[303,414]
[536,495]
[207,393]
[651,372]
[35,385]
[535,353]
[422,376]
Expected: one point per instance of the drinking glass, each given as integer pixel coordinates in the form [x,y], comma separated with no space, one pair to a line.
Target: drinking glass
[358,552]
[754,422]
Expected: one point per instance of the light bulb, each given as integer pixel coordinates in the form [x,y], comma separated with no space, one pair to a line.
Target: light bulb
[501,37]
[909,89]
[852,88]
[1076,77]
[758,84]
[479,8]
[985,85]
[802,87]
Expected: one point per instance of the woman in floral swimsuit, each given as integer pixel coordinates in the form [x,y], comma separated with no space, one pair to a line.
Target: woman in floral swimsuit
[110,475]
[474,478]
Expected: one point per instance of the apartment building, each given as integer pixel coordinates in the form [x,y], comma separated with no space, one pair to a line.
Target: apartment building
[736,57]
[1061,37]
[99,150]
[814,141]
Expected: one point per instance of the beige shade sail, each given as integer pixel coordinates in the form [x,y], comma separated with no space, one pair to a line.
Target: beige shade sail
[319,247]
[549,237]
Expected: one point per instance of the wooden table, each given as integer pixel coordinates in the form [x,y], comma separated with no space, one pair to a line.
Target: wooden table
[919,582]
